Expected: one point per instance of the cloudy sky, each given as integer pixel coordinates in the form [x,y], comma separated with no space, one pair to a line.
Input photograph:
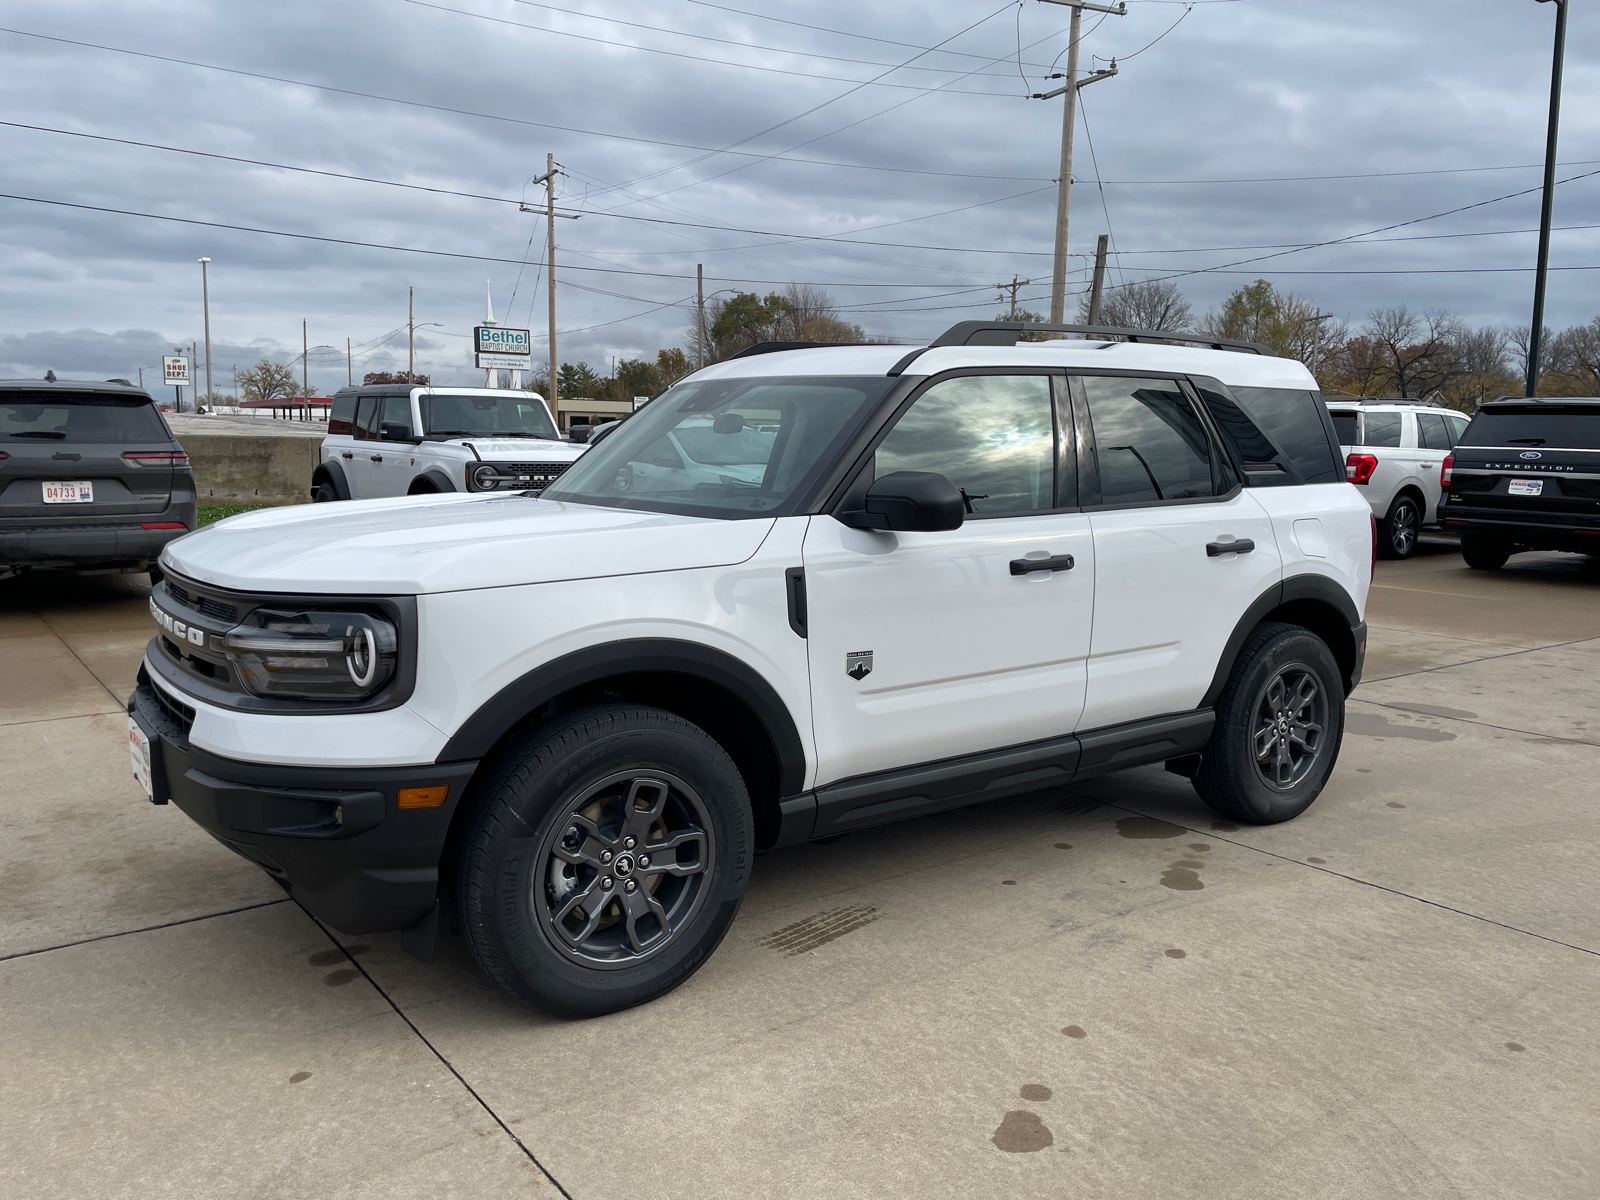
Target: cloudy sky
[885,152]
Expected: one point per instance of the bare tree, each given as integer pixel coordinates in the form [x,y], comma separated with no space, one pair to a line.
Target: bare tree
[805,304]
[1517,337]
[1574,363]
[1482,368]
[1417,350]
[1149,304]
[1288,325]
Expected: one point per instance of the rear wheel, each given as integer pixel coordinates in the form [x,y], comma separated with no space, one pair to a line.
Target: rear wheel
[1280,720]
[1397,535]
[325,493]
[606,861]
[1484,553]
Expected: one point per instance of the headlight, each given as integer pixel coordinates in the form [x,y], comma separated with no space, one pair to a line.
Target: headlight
[326,655]
[484,477]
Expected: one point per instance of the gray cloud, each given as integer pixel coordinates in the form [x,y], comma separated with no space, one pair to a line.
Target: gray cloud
[1248,90]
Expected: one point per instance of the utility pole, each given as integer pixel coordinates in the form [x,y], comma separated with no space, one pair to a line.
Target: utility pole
[700,315]
[550,280]
[1013,287]
[349,365]
[305,363]
[411,335]
[1069,119]
[205,304]
[1098,288]
[1542,270]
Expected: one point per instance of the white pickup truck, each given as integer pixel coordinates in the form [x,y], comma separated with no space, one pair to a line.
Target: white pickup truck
[1394,451]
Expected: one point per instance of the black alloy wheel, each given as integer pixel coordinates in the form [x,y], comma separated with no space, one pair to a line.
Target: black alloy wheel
[1279,725]
[604,857]
[1400,529]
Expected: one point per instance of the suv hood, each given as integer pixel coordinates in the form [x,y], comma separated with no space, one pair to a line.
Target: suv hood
[519,449]
[409,546]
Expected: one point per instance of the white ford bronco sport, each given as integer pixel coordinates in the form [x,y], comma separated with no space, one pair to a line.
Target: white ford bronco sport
[400,440]
[913,581]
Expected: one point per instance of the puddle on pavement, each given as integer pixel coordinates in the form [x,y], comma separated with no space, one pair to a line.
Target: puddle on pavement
[819,929]
[1182,876]
[1022,1132]
[1035,1091]
[1517,1046]
[1075,1031]
[1377,725]
[300,1077]
[1318,861]
[340,978]
[327,958]
[1395,804]
[1224,827]
[1175,953]
[1148,827]
[1198,847]
[1063,845]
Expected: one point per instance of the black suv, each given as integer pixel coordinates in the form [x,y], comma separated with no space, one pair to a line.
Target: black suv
[1525,476]
[91,478]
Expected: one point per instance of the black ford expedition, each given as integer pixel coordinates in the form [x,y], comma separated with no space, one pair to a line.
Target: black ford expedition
[91,478]
[1525,476]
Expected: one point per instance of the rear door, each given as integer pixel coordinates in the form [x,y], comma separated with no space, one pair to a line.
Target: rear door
[1164,505]
[927,646]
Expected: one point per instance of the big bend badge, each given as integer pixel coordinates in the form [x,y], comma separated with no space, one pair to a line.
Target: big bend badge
[858,663]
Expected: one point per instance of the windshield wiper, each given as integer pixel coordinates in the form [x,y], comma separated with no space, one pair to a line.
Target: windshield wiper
[40,433]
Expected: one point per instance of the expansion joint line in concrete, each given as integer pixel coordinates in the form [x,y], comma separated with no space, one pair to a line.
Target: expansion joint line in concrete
[1460,912]
[121,700]
[1469,662]
[448,1065]
[228,912]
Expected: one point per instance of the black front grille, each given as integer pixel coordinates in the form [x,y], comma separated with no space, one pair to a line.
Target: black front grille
[176,711]
[537,475]
[202,604]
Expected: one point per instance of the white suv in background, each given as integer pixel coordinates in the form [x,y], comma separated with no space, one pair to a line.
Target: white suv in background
[1394,451]
[958,572]
[399,440]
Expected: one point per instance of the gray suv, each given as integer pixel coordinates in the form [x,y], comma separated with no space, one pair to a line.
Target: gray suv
[91,478]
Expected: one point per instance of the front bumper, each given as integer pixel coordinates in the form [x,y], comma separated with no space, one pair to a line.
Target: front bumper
[335,838]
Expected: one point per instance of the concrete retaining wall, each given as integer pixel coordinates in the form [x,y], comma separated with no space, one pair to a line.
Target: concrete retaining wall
[243,466]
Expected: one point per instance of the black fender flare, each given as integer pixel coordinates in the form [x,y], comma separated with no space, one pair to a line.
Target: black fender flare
[331,472]
[480,732]
[1304,591]
[437,476]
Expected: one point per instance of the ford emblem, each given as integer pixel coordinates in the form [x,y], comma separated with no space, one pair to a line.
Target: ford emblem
[1530,454]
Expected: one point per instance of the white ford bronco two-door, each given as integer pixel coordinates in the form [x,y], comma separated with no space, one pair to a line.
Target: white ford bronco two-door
[964,572]
[399,440]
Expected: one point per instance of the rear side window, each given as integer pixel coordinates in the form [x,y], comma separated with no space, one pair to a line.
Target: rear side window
[342,416]
[1458,426]
[1432,432]
[1265,465]
[1294,419]
[1380,429]
[79,418]
[1149,443]
[1572,428]
[1347,425]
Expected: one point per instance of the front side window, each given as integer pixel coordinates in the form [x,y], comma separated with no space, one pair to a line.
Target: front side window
[396,423]
[993,436]
[508,415]
[724,447]
[86,417]
[1149,442]
[1380,429]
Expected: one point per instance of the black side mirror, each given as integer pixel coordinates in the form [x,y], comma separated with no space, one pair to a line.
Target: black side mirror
[728,423]
[910,502]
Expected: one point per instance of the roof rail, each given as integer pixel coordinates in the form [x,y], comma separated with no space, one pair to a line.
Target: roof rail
[774,347]
[1006,333]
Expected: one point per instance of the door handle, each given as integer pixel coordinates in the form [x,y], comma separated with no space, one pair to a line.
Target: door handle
[1241,546]
[346,454]
[377,458]
[1025,566]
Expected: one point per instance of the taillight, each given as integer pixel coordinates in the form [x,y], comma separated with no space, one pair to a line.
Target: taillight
[1358,468]
[156,458]
[1445,470]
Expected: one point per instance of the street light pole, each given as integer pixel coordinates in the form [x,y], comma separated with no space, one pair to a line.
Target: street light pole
[205,304]
[1542,270]
[1069,120]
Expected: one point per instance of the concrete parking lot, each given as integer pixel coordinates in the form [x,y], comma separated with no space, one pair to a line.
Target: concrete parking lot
[1098,991]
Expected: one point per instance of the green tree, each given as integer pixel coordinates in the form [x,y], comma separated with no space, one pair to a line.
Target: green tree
[746,319]
[635,377]
[578,380]
[395,377]
[671,366]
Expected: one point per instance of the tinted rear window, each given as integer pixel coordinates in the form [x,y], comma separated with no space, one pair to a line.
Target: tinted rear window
[1574,429]
[1294,419]
[1344,424]
[78,418]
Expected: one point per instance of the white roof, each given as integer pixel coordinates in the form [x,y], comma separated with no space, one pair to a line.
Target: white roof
[1231,366]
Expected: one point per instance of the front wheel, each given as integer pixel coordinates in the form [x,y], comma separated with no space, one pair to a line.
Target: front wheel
[1280,721]
[607,859]
[1397,533]
[326,493]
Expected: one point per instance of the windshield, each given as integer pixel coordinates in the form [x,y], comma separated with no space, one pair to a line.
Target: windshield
[80,418]
[725,447]
[1574,428]
[514,414]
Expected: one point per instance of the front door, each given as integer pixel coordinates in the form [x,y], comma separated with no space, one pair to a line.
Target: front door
[365,452]
[1168,592]
[927,646]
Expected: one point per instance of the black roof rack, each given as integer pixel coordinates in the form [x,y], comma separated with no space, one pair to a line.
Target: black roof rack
[1383,400]
[1005,333]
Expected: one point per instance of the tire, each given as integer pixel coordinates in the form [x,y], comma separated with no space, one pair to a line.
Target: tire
[422,487]
[1397,532]
[1285,692]
[1484,553]
[552,831]
[326,493]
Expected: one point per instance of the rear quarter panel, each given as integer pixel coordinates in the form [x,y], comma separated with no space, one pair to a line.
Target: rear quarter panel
[1323,529]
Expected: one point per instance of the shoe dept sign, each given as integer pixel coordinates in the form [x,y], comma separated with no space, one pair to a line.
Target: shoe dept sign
[496,347]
